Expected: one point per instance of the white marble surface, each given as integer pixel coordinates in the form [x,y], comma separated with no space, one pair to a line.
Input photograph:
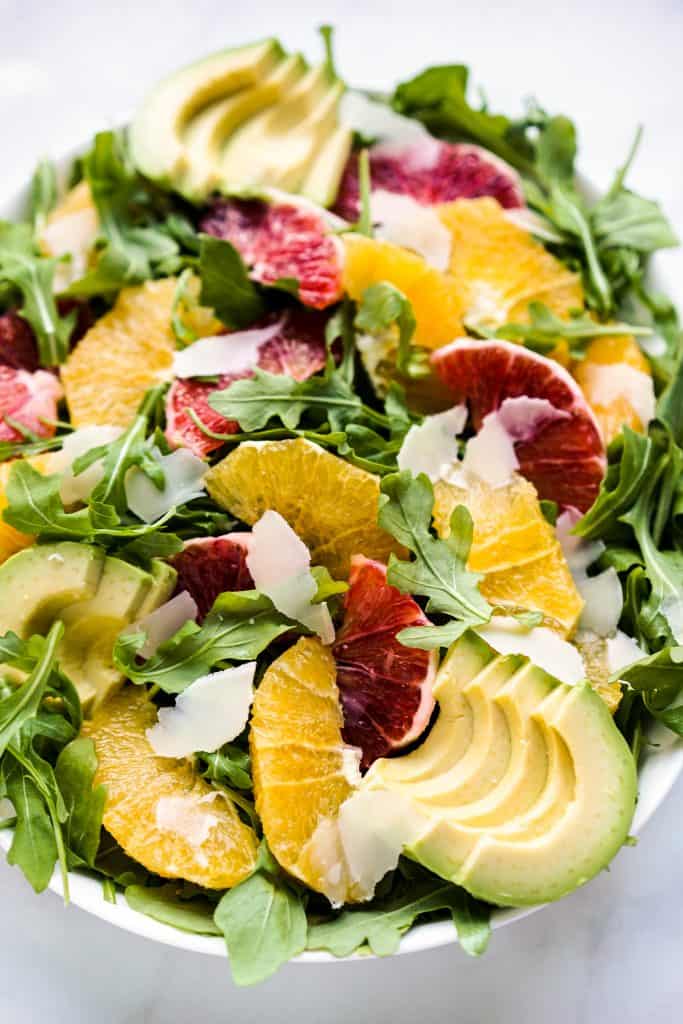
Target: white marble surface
[610,953]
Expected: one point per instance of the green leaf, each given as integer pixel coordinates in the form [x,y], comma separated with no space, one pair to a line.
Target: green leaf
[226,286]
[230,766]
[438,571]
[545,329]
[381,306]
[75,773]
[238,628]
[43,195]
[364,225]
[165,905]
[629,220]
[382,924]
[567,210]
[23,703]
[431,638]
[327,586]
[34,847]
[630,459]
[556,150]
[264,924]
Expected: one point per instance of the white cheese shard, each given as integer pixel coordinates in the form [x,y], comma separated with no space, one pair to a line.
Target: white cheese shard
[280,566]
[6,809]
[164,622]
[490,455]
[235,353]
[212,711]
[403,221]
[73,235]
[186,816]
[619,380]
[603,602]
[544,647]
[76,489]
[378,121]
[579,553]
[622,650]
[431,447]
[184,474]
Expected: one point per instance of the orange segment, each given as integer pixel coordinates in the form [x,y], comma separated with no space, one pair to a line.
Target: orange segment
[129,350]
[297,753]
[435,299]
[515,547]
[500,268]
[330,504]
[159,810]
[613,350]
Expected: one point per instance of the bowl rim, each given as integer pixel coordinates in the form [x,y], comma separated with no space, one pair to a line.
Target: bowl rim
[661,766]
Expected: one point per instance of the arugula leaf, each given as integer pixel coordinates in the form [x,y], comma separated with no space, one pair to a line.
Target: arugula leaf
[555,149]
[75,771]
[23,703]
[545,329]
[34,846]
[230,766]
[238,628]
[628,220]
[32,274]
[43,195]
[382,924]
[226,285]
[263,921]
[630,458]
[164,904]
[364,225]
[438,571]
[383,305]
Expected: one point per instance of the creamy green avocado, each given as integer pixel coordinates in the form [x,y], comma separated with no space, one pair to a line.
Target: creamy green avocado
[94,595]
[156,134]
[524,789]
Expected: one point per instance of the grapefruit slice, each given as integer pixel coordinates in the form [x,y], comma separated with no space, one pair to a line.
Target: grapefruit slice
[160,811]
[431,172]
[298,350]
[565,457]
[280,241]
[330,504]
[208,566]
[385,688]
[27,399]
[616,379]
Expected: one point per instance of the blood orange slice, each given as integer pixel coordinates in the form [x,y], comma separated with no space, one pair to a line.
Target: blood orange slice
[297,350]
[281,241]
[18,347]
[565,457]
[28,399]
[208,566]
[431,172]
[385,688]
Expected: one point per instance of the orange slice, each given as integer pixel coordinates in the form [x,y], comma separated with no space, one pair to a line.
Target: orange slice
[297,754]
[515,548]
[611,351]
[329,503]
[129,350]
[159,810]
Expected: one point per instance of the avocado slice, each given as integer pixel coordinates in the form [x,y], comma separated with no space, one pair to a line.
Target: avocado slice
[548,822]
[278,146]
[208,131]
[321,183]
[156,134]
[163,584]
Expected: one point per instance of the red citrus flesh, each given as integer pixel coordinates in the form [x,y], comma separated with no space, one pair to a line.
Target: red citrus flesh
[208,566]
[431,172]
[18,347]
[298,350]
[29,399]
[565,459]
[385,688]
[281,241]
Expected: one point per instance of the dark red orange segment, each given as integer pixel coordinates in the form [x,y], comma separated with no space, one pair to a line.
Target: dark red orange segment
[565,460]
[385,688]
[209,566]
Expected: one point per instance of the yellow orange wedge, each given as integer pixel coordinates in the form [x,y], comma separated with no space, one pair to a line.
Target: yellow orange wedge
[297,754]
[515,548]
[159,810]
[329,503]
[129,350]
[500,268]
[611,352]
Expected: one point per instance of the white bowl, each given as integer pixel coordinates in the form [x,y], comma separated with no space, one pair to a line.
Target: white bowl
[661,766]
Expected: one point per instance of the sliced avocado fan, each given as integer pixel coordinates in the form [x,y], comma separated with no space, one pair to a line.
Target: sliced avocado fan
[95,595]
[524,789]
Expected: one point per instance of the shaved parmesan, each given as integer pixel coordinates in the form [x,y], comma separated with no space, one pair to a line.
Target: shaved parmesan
[234,353]
[184,474]
[210,712]
[280,566]
[377,120]
[490,455]
[544,647]
[604,602]
[524,417]
[578,552]
[76,489]
[622,650]
[72,235]
[6,809]
[619,380]
[403,221]
[431,447]
[163,623]
[186,817]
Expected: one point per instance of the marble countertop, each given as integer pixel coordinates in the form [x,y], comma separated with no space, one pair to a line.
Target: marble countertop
[609,953]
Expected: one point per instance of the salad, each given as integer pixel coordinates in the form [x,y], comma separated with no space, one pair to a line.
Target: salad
[341,443]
